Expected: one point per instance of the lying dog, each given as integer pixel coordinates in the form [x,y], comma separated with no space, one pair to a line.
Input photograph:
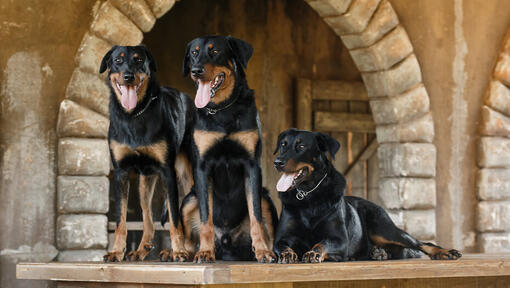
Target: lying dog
[149,134]
[319,223]
[229,210]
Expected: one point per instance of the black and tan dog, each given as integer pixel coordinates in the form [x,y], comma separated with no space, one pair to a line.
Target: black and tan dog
[319,223]
[150,134]
[229,209]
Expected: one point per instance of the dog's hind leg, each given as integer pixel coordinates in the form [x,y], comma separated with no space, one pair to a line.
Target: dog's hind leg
[146,191]
[121,192]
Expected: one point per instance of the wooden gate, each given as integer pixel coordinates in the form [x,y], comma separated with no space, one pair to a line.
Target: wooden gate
[341,109]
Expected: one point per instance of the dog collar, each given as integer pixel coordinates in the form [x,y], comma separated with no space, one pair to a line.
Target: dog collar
[302,194]
[212,111]
[146,106]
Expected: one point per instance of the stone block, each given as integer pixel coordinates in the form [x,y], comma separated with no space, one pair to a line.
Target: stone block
[408,193]
[82,231]
[79,156]
[494,242]
[385,53]
[383,21]
[138,11]
[494,123]
[89,90]
[494,152]
[160,7]
[407,159]
[77,121]
[498,97]
[83,194]
[397,216]
[493,216]
[327,8]
[400,108]
[355,19]
[110,24]
[91,52]
[419,130]
[502,70]
[421,224]
[394,81]
[92,255]
[493,184]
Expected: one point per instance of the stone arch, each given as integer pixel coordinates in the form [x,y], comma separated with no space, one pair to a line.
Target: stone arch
[493,179]
[381,50]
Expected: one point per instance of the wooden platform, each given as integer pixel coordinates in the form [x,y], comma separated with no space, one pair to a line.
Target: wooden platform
[479,270]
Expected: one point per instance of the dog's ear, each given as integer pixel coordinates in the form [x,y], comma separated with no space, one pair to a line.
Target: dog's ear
[280,137]
[106,63]
[327,143]
[185,61]
[150,58]
[241,50]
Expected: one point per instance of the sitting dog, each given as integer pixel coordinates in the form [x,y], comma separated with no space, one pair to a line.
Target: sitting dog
[319,223]
[149,134]
[228,208]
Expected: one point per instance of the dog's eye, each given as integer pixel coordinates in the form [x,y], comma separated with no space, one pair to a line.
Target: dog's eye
[194,52]
[284,144]
[301,147]
[139,60]
[216,52]
[118,60]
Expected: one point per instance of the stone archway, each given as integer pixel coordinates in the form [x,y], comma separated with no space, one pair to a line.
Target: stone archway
[381,50]
[493,179]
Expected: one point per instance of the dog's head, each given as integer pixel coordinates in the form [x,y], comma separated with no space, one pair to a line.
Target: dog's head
[302,157]
[215,63]
[130,70]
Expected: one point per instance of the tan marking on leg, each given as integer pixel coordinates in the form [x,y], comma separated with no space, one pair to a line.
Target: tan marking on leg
[176,236]
[381,241]
[206,139]
[191,224]
[157,151]
[119,150]
[248,139]
[206,251]
[267,219]
[184,173]
[119,243]
[259,238]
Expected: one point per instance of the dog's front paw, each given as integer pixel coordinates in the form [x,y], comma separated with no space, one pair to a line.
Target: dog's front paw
[288,256]
[316,255]
[205,256]
[173,256]
[378,253]
[114,256]
[265,256]
[140,253]
[445,254]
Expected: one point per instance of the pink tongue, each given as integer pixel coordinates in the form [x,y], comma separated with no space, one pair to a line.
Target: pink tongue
[203,94]
[285,182]
[129,98]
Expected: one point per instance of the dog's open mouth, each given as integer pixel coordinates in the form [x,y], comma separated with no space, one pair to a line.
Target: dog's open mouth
[128,94]
[207,90]
[292,179]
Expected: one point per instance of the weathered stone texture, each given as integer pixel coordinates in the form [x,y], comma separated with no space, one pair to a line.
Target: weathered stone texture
[419,130]
[77,121]
[494,242]
[82,194]
[355,19]
[408,193]
[91,255]
[327,8]
[420,224]
[397,216]
[388,51]
[160,7]
[110,24]
[394,81]
[502,70]
[494,152]
[91,52]
[138,11]
[493,184]
[83,157]
[89,90]
[407,159]
[494,123]
[498,97]
[401,108]
[82,231]
[493,216]
[383,21]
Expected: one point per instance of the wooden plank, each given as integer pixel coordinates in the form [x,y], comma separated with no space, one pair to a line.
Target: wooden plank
[475,265]
[304,104]
[339,90]
[344,122]
[373,175]
[367,152]
[138,226]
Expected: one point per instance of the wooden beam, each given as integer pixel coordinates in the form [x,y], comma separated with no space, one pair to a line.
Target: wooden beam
[367,152]
[304,104]
[138,226]
[344,122]
[339,90]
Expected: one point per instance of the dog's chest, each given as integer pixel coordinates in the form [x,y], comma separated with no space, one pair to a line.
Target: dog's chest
[157,151]
[206,141]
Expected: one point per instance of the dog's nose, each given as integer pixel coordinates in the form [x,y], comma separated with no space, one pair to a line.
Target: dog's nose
[278,163]
[197,71]
[129,77]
